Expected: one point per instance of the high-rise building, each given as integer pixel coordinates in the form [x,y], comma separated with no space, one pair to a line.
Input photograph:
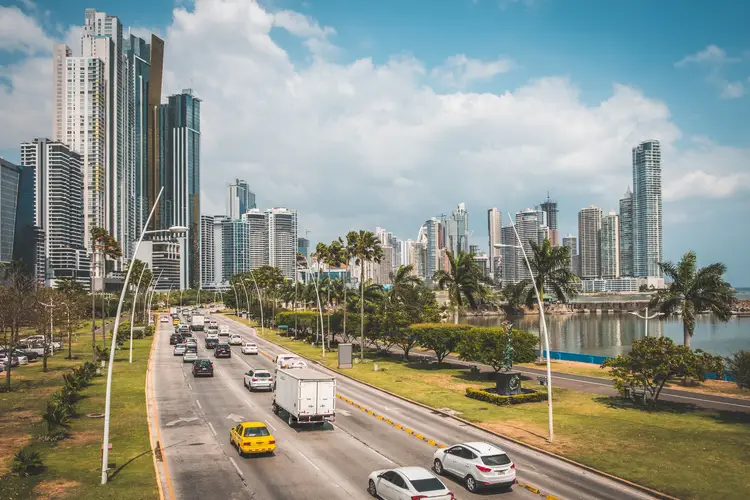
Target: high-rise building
[235,248]
[456,230]
[208,258]
[18,235]
[433,243]
[509,256]
[474,249]
[58,209]
[549,207]
[258,238]
[180,154]
[494,231]
[609,244]
[647,209]
[239,199]
[571,242]
[626,234]
[527,225]
[589,225]
[303,247]
[282,240]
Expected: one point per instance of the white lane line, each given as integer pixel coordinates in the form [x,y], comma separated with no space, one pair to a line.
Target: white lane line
[212,430]
[271,425]
[189,386]
[308,460]
[199,404]
[248,403]
[236,467]
[380,454]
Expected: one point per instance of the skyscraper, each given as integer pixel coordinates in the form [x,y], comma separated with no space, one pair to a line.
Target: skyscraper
[432,240]
[180,137]
[550,209]
[626,234]
[589,225]
[239,199]
[258,239]
[527,226]
[508,256]
[208,257]
[282,240]
[571,242]
[58,208]
[494,231]
[609,243]
[647,209]
[456,230]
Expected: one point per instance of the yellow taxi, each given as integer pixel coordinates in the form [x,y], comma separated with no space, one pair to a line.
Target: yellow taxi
[252,437]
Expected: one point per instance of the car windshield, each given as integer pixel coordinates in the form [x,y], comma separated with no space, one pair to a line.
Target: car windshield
[203,362]
[249,345]
[430,484]
[223,346]
[501,459]
[256,432]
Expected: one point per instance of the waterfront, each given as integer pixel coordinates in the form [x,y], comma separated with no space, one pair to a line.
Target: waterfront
[612,334]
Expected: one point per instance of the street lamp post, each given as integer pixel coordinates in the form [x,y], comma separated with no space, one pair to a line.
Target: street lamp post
[151,298]
[260,302]
[132,314]
[236,300]
[108,394]
[646,317]
[247,298]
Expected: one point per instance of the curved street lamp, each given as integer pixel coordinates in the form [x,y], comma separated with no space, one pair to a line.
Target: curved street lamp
[646,317]
[260,302]
[132,314]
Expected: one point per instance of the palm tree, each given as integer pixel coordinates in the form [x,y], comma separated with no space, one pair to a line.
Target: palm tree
[550,267]
[340,256]
[364,247]
[403,280]
[694,291]
[104,243]
[463,280]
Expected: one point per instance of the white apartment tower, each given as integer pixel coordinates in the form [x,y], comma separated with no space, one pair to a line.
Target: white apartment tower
[257,239]
[647,210]
[609,242]
[494,231]
[589,225]
[626,234]
[282,240]
[527,225]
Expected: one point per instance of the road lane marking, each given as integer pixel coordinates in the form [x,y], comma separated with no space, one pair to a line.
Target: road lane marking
[345,413]
[189,386]
[156,417]
[199,404]
[248,403]
[213,430]
[308,460]
[270,425]
[236,467]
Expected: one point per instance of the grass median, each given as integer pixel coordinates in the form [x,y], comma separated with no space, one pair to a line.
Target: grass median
[680,450]
[72,466]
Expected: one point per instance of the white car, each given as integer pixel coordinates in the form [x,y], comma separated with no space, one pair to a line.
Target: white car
[407,482]
[249,348]
[164,319]
[479,464]
[258,379]
[224,330]
[235,340]
[289,361]
[189,357]
[179,350]
[212,335]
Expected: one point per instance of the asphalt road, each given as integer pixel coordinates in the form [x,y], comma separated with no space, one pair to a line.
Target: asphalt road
[195,416]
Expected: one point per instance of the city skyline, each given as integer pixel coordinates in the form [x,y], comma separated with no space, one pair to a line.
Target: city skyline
[689,94]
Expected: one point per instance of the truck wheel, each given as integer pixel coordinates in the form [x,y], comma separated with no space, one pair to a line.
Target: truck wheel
[291,420]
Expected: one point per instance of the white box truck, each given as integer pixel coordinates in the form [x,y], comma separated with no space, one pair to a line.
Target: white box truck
[307,396]
[197,322]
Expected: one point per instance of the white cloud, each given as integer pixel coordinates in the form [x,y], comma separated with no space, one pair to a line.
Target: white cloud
[460,71]
[710,55]
[733,90]
[715,58]
[21,33]
[362,144]
[301,25]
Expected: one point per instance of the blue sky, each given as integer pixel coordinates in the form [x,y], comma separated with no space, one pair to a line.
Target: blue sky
[591,44]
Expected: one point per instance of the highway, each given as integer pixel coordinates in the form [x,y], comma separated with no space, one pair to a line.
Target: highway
[194,417]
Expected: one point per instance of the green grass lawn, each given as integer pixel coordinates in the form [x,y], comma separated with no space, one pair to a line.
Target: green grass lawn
[683,451]
[73,465]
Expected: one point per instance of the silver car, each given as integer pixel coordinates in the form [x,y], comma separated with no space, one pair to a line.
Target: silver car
[179,350]
[259,380]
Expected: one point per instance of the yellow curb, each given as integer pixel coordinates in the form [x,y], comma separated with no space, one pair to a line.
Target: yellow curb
[398,426]
[531,488]
[388,421]
[362,408]
[419,436]
[551,497]
[408,431]
[432,442]
[370,412]
[379,417]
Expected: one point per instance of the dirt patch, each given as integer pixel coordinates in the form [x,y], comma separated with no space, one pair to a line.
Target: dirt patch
[531,434]
[13,436]
[59,488]
[79,439]
[714,387]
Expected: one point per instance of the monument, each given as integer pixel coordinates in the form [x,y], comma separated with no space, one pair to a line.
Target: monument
[508,381]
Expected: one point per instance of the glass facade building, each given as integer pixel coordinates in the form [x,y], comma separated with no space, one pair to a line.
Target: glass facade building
[647,210]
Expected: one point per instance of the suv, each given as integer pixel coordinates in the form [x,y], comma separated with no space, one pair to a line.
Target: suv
[175,339]
[211,343]
[203,367]
[223,351]
[480,464]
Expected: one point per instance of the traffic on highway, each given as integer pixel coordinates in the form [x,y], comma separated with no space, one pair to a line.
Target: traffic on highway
[272,425]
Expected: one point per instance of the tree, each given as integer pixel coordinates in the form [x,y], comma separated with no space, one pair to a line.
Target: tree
[440,338]
[489,346]
[738,365]
[105,244]
[693,291]
[652,362]
[550,267]
[71,294]
[16,306]
[364,247]
[515,295]
[463,280]
[340,256]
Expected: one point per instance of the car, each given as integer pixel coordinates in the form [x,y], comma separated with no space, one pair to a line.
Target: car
[211,335]
[235,340]
[224,330]
[179,350]
[252,437]
[175,339]
[258,379]
[223,351]
[478,464]
[203,367]
[191,343]
[164,319]
[289,361]
[24,350]
[189,356]
[407,482]
[211,343]
[249,348]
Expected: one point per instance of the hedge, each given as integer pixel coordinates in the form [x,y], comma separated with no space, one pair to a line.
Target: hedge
[497,399]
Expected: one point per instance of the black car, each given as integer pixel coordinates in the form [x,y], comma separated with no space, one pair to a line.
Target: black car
[212,343]
[203,367]
[223,351]
[175,339]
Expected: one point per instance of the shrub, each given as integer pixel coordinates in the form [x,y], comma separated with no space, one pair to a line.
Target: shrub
[738,365]
[26,463]
[57,418]
[499,400]
[488,346]
[441,338]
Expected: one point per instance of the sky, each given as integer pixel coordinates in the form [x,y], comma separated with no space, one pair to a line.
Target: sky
[387,113]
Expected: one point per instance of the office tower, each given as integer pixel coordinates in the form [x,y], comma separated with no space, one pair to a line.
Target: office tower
[235,248]
[474,249]
[647,209]
[282,240]
[609,243]
[508,256]
[543,233]
[303,247]
[432,241]
[589,224]
[571,242]
[527,226]
[382,270]
[626,234]
[549,207]
[179,149]
[456,230]
[258,238]
[494,231]
[59,91]
[58,208]
[239,199]
[10,176]
[208,257]
[18,235]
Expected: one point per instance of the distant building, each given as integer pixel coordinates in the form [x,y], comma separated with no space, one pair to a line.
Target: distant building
[549,207]
[282,240]
[527,225]
[509,256]
[647,209]
[433,243]
[626,234]
[17,230]
[456,230]
[303,247]
[571,242]
[609,243]
[239,199]
[494,232]
[589,224]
